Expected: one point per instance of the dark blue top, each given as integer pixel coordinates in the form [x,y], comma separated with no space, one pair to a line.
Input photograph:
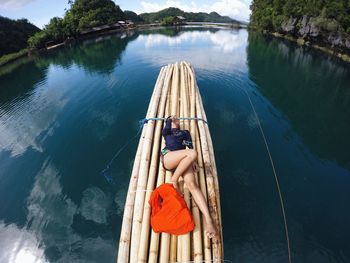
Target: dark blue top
[176,139]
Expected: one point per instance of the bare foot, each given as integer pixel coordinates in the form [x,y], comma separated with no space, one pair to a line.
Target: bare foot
[210,229]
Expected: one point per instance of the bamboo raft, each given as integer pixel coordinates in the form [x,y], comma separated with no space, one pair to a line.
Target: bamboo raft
[175,93]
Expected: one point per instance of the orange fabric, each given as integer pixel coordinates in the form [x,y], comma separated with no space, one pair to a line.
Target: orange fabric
[170,213]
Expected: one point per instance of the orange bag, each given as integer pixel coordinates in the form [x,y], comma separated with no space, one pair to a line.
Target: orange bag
[170,213]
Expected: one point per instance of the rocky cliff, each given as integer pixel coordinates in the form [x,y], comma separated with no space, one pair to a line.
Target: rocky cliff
[317,30]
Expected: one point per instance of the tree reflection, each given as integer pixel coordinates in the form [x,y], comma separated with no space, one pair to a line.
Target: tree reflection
[19,81]
[98,55]
[310,88]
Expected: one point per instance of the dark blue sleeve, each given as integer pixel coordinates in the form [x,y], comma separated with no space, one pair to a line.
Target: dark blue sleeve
[188,139]
[167,128]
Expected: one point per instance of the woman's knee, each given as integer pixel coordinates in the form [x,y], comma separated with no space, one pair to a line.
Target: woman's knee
[192,154]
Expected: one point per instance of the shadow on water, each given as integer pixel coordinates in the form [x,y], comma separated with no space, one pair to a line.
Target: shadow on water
[311,89]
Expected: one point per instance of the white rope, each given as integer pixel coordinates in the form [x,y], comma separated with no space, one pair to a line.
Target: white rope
[275,175]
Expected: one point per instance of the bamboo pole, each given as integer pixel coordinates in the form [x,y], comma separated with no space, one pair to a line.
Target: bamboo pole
[210,185]
[212,156]
[180,112]
[175,91]
[197,233]
[145,227]
[184,105]
[202,182]
[211,148]
[211,182]
[180,184]
[203,185]
[124,242]
[142,179]
[155,237]
[173,240]
[165,237]
[217,190]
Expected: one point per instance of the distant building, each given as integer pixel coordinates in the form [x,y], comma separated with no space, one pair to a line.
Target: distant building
[129,23]
[179,20]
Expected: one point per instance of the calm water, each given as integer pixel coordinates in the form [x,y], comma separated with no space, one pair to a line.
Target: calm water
[64,114]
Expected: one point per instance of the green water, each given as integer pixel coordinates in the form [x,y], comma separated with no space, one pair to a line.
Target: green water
[64,114]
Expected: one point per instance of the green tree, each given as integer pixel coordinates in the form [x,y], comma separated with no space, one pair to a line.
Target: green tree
[130,15]
[168,21]
[89,13]
[270,14]
[14,34]
[38,40]
[82,14]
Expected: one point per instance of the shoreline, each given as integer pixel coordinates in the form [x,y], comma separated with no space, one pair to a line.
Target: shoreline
[30,53]
[302,42]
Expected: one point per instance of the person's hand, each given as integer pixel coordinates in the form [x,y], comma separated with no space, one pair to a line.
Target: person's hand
[173,117]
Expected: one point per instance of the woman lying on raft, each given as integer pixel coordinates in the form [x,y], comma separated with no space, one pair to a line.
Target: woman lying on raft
[183,163]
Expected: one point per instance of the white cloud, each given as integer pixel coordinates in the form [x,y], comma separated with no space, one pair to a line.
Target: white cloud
[50,225]
[23,122]
[14,4]
[94,205]
[237,9]
[19,245]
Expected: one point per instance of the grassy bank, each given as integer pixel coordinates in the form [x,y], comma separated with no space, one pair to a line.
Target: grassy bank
[13,56]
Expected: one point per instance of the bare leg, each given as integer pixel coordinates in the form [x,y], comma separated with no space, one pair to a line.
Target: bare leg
[200,201]
[181,160]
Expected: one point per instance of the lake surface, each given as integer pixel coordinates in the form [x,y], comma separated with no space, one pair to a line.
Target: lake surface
[64,114]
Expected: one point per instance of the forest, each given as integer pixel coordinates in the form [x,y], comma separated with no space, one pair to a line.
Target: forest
[82,14]
[14,34]
[327,14]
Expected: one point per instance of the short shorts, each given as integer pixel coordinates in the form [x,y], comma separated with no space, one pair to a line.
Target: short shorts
[163,152]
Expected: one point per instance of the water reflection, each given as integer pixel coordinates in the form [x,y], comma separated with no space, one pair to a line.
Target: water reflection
[312,91]
[100,55]
[64,114]
[23,121]
[49,227]
[214,49]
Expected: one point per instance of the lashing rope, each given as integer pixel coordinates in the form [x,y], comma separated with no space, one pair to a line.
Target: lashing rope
[275,175]
[105,172]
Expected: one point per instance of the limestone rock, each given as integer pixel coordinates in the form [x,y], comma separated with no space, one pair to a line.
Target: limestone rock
[290,25]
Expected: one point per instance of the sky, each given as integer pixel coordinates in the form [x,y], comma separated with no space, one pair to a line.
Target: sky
[39,12]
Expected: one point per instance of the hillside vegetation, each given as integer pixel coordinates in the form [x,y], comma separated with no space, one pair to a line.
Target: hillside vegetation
[14,34]
[190,17]
[84,14]
[319,21]
[81,15]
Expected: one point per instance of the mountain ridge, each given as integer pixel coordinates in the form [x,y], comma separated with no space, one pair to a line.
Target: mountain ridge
[152,17]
